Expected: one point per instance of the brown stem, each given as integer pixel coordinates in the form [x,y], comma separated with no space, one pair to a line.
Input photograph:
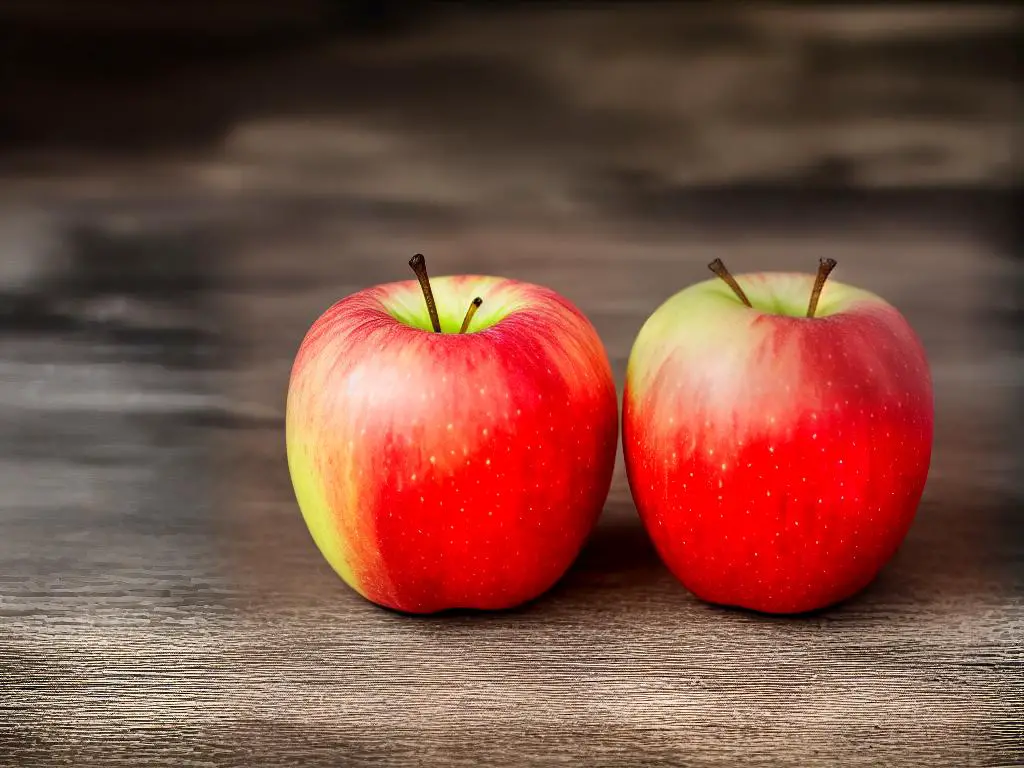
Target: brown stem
[474,305]
[719,269]
[419,266]
[825,267]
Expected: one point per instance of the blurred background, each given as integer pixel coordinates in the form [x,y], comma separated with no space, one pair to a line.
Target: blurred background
[185,187]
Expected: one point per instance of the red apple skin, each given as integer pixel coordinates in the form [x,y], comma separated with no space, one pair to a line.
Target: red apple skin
[777,462]
[440,471]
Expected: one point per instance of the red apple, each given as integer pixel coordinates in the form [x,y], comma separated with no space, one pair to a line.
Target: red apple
[451,469]
[777,453]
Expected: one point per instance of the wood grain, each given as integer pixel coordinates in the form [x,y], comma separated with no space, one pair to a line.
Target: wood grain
[162,602]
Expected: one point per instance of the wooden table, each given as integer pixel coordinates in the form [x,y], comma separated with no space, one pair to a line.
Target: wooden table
[161,602]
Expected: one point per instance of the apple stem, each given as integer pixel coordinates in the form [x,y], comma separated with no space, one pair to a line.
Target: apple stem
[825,267]
[419,266]
[719,269]
[474,305]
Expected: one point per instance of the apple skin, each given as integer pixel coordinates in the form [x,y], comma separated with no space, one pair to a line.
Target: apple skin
[777,461]
[446,470]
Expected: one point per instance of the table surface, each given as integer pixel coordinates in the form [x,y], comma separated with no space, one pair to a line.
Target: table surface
[161,602]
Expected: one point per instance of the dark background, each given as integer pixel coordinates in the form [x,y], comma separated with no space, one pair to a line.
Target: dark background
[185,187]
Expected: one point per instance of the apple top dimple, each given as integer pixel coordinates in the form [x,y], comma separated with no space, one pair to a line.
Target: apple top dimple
[501,297]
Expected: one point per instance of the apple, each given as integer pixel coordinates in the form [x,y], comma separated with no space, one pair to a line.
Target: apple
[447,460]
[777,434]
